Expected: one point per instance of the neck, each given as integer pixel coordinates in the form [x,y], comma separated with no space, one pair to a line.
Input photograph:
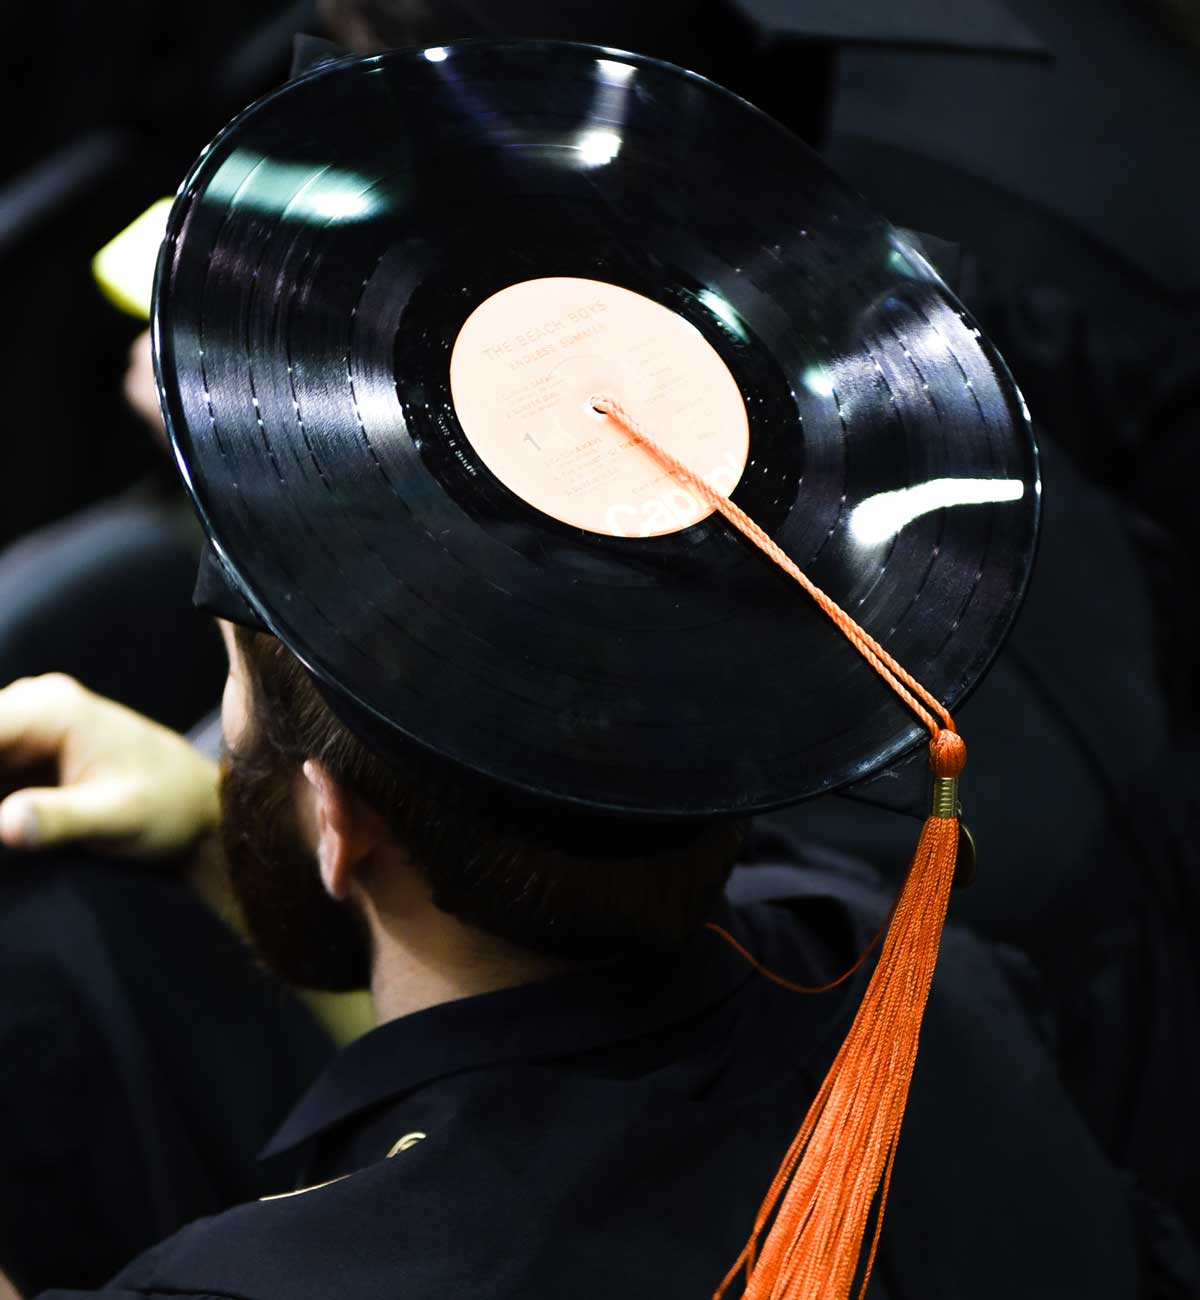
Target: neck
[423,957]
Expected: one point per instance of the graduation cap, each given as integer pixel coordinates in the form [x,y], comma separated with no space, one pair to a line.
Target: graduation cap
[478,475]
[786,63]
[1030,158]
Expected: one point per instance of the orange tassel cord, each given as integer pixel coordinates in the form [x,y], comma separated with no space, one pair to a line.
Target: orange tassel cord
[808,1235]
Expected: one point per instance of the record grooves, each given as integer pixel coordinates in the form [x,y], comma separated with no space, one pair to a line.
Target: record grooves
[321,263]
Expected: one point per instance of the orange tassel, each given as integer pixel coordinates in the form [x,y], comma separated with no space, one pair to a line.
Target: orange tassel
[840,1161]
[842,1156]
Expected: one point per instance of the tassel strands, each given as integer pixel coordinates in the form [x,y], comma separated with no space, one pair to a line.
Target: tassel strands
[842,1156]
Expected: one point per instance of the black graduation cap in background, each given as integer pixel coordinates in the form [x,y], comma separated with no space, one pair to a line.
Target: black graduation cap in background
[779,54]
[1072,172]
[789,60]
[979,26]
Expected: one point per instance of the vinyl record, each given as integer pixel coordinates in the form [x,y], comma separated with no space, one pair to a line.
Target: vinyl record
[387,292]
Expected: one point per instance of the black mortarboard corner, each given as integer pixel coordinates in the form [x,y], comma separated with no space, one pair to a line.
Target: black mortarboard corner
[217,592]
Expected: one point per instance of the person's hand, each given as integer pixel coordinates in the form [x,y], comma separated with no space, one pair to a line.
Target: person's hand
[124,784]
[7,1290]
[141,391]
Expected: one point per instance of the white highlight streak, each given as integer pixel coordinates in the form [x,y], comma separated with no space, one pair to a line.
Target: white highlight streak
[884,515]
[599,147]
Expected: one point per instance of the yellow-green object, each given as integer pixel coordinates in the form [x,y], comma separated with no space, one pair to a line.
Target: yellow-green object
[344,1016]
[124,267]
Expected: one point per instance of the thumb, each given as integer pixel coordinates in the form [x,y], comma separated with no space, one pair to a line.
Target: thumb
[42,817]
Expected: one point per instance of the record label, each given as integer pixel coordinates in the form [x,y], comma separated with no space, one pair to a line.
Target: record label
[523,370]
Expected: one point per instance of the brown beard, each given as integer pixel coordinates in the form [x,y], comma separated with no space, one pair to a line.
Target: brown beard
[301,934]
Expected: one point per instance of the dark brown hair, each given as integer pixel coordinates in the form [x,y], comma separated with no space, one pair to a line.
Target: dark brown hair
[557,881]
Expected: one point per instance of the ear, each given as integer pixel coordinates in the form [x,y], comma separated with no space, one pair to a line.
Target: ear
[345,832]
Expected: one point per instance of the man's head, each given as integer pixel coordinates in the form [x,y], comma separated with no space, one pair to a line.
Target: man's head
[327,840]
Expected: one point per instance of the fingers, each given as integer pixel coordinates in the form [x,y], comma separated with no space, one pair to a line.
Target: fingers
[35,713]
[125,783]
[43,817]
[141,391]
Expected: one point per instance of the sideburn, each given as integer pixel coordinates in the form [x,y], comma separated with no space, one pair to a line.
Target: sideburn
[301,934]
